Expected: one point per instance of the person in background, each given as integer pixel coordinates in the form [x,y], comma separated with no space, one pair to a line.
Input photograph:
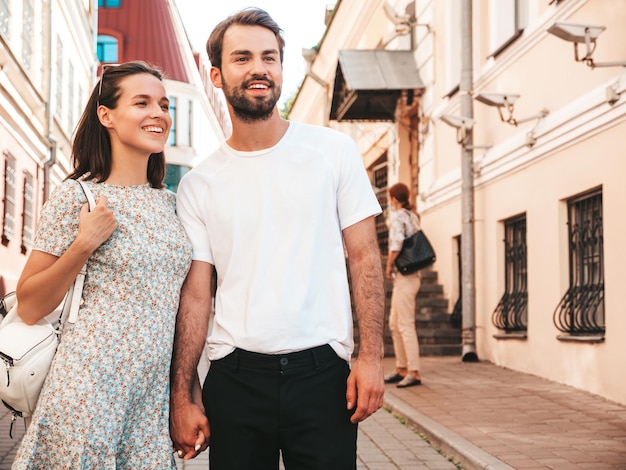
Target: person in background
[403,222]
[105,402]
[271,210]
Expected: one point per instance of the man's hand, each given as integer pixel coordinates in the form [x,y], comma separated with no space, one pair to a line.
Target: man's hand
[189,429]
[366,387]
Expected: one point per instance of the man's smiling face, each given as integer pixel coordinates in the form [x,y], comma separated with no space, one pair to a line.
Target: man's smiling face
[251,75]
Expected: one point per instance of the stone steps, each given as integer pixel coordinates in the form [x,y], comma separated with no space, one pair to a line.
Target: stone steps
[437,336]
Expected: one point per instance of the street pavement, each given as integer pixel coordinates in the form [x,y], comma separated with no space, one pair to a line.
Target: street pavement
[473,415]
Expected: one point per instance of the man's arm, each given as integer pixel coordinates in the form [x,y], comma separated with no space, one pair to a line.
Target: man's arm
[365,383]
[189,427]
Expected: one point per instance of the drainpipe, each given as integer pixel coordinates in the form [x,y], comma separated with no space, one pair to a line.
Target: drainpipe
[468,289]
[326,87]
[309,56]
[52,142]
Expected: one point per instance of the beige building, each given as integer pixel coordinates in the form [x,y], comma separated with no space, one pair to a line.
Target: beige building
[47,68]
[512,145]
[50,53]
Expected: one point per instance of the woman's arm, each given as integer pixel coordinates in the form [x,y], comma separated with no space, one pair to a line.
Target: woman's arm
[395,239]
[46,278]
[391,258]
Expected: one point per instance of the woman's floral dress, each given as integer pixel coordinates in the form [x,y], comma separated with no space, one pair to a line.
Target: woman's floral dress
[105,402]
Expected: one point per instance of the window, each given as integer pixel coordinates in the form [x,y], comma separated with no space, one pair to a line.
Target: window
[172,138]
[4,18]
[453,47]
[511,314]
[186,137]
[78,102]
[109,3]
[107,49]
[8,217]
[70,98]
[507,18]
[581,310]
[28,34]
[59,79]
[28,214]
[379,175]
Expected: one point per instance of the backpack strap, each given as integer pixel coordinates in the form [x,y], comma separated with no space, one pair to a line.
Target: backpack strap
[70,312]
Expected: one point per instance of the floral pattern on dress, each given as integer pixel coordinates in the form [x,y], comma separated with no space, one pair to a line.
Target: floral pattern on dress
[105,402]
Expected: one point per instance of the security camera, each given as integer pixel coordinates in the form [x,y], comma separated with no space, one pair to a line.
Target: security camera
[583,34]
[496,99]
[458,122]
[577,33]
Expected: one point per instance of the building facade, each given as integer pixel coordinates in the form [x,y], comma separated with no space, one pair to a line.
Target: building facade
[517,133]
[51,52]
[199,119]
[47,68]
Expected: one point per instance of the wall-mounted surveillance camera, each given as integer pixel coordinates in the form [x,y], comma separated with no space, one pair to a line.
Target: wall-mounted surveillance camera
[458,122]
[582,34]
[496,99]
[463,126]
[573,32]
[506,100]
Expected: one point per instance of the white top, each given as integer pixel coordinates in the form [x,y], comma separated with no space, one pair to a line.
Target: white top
[402,224]
[270,221]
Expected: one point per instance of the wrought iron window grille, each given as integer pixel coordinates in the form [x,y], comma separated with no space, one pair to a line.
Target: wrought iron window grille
[581,310]
[511,313]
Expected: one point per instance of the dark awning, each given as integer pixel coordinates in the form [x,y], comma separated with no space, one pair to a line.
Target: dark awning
[368,84]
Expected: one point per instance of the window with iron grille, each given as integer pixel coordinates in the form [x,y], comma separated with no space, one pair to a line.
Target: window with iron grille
[511,313]
[28,214]
[379,175]
[581,310]
[8,216]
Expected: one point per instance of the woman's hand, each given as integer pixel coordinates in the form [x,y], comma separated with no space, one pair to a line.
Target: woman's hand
[95,227]
[389,272]
[391,258]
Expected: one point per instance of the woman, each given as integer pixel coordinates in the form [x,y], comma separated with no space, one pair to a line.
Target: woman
[105,401]
[403,223]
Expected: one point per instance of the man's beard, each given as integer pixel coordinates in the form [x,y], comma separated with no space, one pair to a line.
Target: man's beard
[251,110]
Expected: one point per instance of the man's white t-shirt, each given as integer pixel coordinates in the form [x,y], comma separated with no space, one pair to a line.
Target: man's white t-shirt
[271,223]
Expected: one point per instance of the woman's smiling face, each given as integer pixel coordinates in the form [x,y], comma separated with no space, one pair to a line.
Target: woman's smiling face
[140,122]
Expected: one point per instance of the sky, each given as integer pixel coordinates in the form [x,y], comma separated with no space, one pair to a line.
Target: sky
[302,23]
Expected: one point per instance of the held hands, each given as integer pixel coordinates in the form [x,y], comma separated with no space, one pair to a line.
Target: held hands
[365,387]
[189,430]
[95,227]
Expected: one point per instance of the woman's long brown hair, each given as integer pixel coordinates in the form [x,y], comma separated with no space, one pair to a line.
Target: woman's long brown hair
[91,149]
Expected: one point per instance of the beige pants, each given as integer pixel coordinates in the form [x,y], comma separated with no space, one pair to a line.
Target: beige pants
[402,320]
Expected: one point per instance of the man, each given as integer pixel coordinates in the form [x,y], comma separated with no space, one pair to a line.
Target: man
[271,210]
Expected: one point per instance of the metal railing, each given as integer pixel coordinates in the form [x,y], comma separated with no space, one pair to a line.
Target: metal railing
[581,310]
[511,313]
